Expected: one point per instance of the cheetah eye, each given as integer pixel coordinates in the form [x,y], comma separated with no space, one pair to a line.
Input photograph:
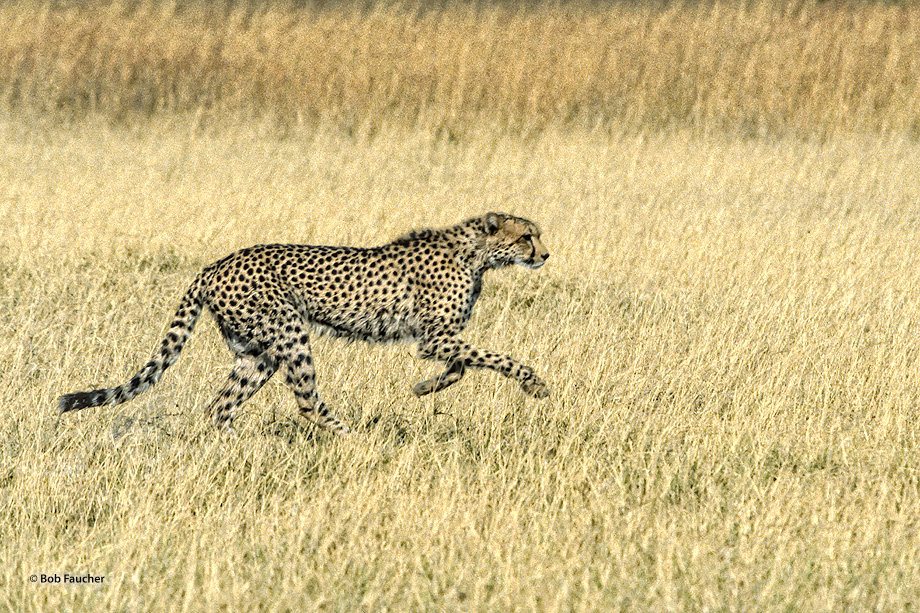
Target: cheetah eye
[526,238]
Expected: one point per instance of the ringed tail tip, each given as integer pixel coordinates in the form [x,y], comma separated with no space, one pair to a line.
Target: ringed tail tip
[75,401]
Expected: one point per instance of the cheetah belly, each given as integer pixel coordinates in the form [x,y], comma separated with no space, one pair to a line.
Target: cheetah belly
[379,321]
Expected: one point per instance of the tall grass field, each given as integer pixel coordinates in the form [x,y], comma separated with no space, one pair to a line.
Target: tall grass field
[729,319]
[756,66]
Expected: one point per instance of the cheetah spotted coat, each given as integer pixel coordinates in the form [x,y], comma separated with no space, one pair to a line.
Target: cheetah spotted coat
[265,299]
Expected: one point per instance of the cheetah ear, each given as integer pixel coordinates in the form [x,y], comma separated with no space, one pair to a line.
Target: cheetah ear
[492,222]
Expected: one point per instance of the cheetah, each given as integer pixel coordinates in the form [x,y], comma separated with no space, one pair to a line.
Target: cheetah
[265,299]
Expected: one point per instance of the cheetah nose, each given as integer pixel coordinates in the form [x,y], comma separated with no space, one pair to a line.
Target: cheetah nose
[545,256]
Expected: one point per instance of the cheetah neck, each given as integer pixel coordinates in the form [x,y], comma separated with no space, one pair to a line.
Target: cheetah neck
[467,242]
[470,249]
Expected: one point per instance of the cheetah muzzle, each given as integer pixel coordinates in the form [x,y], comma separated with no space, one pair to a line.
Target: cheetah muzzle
[265,299]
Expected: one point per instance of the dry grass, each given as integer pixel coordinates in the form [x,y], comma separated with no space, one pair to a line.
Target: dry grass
[729,319]
[758,66]
[730,327]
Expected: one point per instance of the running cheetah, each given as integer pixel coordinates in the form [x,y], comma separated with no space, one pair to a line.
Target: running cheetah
[420,287]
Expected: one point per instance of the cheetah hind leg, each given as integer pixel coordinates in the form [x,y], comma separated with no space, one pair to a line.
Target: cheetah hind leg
[300,376]
[249,374]
[455,371]
[317,412]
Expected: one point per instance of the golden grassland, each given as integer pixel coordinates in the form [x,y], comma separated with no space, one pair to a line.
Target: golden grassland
[758,66]
[731,328]
[730,319]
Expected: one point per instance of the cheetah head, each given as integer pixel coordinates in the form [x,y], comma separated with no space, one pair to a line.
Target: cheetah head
[513,240]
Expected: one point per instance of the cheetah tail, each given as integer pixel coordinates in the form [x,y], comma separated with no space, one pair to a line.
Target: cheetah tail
[179,330]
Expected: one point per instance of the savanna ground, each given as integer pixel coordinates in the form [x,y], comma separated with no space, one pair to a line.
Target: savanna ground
[730,318]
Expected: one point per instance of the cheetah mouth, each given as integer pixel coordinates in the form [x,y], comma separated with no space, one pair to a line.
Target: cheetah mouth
[532,264]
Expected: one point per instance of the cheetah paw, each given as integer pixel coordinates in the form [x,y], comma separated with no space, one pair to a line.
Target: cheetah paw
[535,387]
[425,387]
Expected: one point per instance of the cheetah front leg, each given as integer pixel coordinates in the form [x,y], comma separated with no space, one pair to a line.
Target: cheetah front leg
[460,355]
[455,371]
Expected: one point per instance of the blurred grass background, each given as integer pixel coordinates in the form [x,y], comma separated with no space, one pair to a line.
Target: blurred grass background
[755,66]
